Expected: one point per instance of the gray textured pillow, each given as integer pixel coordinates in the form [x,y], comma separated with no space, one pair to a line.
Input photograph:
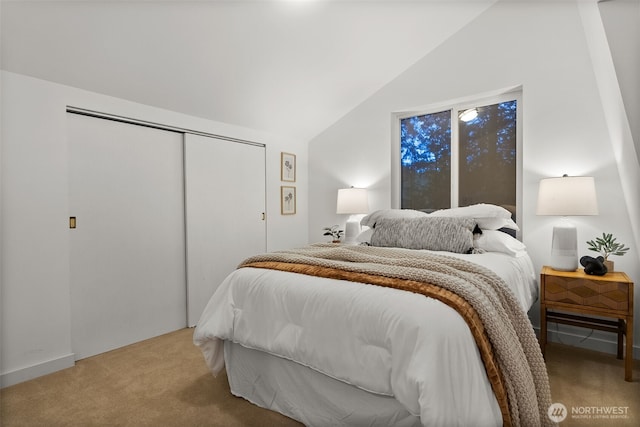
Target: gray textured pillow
[371,219]
[434,233]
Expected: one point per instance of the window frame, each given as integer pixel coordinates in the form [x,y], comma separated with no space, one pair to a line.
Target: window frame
[455,107]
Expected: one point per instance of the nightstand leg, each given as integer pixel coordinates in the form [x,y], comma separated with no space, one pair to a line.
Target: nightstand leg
[621,329]
[543,328]
[628,359]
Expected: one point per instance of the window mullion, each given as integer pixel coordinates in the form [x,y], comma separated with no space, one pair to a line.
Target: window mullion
[455,158]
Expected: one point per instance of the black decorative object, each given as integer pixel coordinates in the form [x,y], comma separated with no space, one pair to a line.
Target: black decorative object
[594,266]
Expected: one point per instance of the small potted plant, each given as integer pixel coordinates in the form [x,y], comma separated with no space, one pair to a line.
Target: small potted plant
[334,232]
[607,245]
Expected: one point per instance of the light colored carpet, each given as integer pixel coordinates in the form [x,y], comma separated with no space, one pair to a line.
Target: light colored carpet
[164,382]
[158,382]
[588,381]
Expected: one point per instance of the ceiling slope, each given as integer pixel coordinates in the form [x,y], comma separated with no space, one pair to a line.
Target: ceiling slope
[285,67]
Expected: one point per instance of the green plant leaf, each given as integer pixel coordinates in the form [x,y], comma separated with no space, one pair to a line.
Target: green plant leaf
[607,245]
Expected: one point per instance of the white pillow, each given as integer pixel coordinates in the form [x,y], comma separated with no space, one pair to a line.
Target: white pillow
[371,219]
[488,217]
[365,236]
[496,223]
[497,241]
[480,210]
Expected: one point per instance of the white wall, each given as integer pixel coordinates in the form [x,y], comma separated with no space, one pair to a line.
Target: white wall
[35,322]
[621,20]
[540,46]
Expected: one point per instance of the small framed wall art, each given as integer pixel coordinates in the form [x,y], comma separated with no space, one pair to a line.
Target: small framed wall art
[287,200]
[287,167]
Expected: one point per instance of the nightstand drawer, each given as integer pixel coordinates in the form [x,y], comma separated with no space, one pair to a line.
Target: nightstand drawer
[585,292]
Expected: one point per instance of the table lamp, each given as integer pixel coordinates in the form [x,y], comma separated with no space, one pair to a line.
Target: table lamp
[566,196]
[352,201]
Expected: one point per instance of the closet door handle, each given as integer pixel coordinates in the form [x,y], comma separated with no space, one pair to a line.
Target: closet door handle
[72,222]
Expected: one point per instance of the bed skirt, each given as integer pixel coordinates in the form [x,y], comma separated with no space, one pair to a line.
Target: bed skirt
[306,395]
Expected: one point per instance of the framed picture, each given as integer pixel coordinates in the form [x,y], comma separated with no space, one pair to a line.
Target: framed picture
[287,200]
[288,167]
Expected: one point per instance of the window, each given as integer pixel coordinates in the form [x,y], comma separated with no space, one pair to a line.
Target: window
[445,161]
[425,152]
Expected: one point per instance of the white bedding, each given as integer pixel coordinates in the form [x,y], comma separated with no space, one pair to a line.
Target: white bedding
[382,340]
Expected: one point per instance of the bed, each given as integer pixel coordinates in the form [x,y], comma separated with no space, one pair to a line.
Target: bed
[423,323]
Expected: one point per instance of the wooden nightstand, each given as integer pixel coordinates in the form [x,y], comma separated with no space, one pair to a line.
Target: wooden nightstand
[610,296]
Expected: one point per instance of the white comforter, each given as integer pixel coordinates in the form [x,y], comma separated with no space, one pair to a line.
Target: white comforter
[382,340]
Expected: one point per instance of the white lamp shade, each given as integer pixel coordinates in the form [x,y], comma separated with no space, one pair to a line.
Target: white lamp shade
[352,201]
[567,195]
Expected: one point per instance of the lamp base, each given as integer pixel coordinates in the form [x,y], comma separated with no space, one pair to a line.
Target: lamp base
[564,247]
[351,231]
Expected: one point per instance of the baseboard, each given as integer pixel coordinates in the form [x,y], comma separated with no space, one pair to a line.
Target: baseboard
[35,371]
[577,339]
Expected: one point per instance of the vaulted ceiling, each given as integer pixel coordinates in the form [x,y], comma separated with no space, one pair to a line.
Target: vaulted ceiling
[287,67]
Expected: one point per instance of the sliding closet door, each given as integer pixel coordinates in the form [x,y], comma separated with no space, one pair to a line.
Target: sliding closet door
[225,205]
[128,274]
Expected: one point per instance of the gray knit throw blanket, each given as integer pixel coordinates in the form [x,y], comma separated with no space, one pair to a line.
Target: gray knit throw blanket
[511,334]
